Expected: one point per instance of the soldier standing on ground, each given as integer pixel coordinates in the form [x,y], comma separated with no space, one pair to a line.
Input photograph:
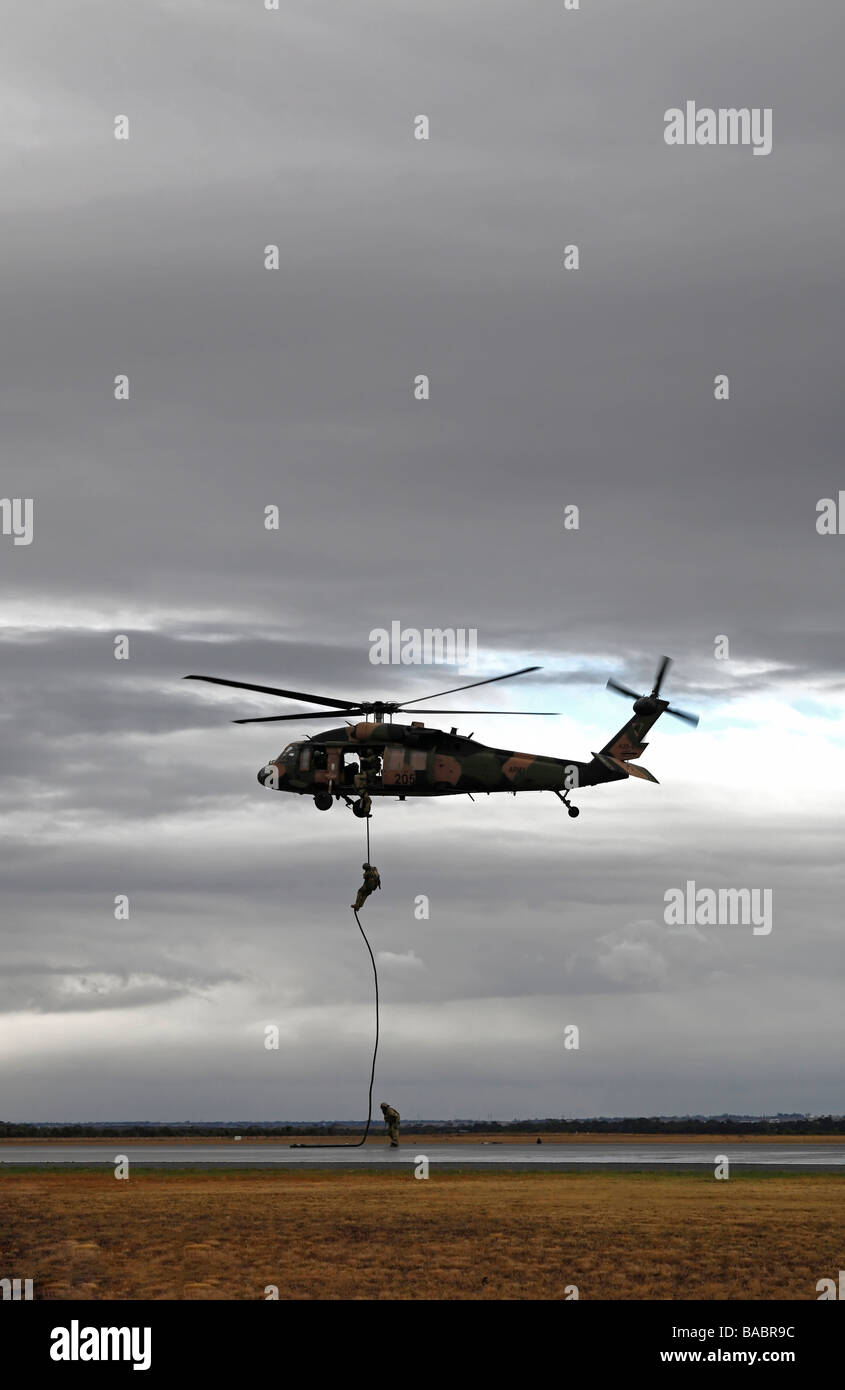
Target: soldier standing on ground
[391,1119]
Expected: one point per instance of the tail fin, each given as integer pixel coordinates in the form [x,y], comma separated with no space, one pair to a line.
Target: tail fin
[617,755]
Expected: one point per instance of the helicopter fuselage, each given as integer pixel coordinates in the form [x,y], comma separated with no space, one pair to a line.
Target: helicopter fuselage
[405,760]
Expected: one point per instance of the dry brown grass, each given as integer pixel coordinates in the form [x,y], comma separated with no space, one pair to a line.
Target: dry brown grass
[329,1235]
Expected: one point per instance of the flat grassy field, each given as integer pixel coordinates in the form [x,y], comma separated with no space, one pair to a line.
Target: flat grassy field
[348,1235]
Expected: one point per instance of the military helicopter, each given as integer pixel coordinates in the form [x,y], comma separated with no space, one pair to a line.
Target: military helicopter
[379,758]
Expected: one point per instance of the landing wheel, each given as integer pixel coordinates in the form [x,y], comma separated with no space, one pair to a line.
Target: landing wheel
[361,809]
[574,811]
[323,801]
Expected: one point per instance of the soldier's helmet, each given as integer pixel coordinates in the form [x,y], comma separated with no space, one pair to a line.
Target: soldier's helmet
[365,866]
[383,1105]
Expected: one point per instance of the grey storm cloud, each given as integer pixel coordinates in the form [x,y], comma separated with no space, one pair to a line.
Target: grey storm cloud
[251,388]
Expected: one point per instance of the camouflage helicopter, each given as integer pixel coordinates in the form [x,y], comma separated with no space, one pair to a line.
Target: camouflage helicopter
[379,758]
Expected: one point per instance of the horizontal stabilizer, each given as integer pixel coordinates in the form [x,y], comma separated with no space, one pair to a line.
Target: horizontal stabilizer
[629,769]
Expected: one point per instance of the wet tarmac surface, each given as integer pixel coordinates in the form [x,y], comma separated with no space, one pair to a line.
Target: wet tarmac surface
[508,1157]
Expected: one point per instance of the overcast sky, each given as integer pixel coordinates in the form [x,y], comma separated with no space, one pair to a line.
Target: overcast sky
[293,387]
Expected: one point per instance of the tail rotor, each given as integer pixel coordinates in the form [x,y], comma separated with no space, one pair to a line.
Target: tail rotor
[652,703]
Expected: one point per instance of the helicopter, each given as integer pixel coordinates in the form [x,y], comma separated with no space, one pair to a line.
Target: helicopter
[376,757]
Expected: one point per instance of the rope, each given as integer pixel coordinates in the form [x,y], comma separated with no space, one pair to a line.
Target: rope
[359,1142]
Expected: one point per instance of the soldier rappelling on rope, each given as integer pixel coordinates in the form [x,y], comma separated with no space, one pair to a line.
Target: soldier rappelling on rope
[372,881]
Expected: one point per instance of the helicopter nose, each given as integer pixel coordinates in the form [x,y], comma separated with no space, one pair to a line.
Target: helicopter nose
[269,772]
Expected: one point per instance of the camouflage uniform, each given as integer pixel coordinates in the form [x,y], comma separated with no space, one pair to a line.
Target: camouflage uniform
[370,762]
[391,1119]
[372,880]
[367,777]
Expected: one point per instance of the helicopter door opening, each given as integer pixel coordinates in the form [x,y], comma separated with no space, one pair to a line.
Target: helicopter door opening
[351,768]
[367,762]
[319,763]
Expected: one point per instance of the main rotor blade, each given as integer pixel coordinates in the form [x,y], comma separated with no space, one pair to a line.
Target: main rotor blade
[491,680]
[505,713]
[682,714]
[345,713]
[274,690]
[306,714]
[622,689]
[665,663]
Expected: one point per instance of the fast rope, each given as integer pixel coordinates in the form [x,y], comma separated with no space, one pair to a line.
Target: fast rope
[359,1142]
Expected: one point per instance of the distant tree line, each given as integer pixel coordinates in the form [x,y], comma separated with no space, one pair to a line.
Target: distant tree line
[641,1124]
